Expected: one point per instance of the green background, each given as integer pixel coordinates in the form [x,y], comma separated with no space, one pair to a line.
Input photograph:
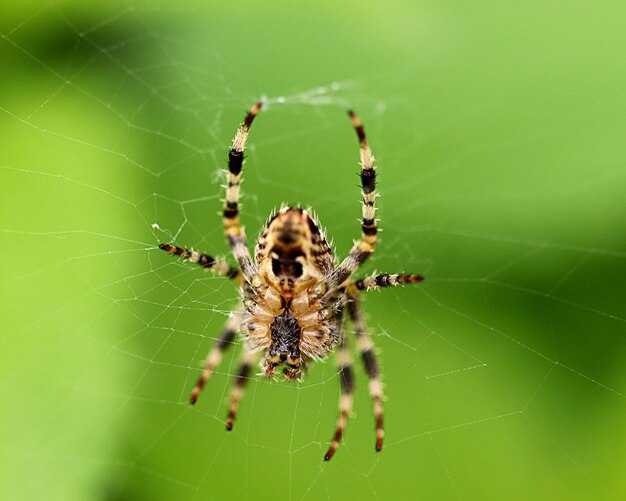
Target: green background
[499,132]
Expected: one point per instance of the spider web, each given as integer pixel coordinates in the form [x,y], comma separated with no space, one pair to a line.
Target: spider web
[504,371]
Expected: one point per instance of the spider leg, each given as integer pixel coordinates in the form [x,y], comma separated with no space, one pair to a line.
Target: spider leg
[366,348]
[364,247]
[248,360]
[347,389]
[215,355]
[216,265]
[383,280]
[234,232]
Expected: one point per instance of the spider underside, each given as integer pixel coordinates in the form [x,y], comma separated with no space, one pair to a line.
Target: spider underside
[294,294]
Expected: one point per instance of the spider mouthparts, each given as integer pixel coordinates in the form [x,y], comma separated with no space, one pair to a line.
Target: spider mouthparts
[292,375]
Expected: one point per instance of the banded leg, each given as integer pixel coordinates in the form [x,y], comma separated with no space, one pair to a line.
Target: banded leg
[216,265]
[215,355]
[364,247]
[366,348]
[347,390]
[233,231]
[248,360]
[384,280]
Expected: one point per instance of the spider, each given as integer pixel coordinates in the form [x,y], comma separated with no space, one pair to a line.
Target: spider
[294,295]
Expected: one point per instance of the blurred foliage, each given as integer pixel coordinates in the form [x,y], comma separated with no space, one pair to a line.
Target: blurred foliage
[499,134]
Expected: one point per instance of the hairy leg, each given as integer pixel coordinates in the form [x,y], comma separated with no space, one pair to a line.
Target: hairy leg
[215,355]
[364,247]
[217,265]
[366,348]
[347,389]
[248,359]
[232,229]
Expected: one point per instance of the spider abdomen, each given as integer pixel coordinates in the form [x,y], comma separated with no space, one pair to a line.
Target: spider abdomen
[292,253]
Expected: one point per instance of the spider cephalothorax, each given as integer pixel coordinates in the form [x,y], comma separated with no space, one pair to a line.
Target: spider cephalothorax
[294,294]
